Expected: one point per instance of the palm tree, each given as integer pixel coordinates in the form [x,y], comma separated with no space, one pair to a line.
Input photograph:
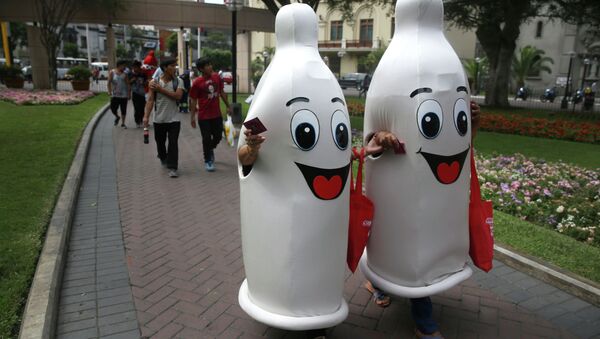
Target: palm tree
[476,70]
[530,61]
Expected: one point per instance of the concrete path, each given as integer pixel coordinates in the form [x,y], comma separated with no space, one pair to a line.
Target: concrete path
[184,259]
[96,299]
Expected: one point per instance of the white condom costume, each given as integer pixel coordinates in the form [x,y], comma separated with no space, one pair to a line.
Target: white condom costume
[295,200]
[419,240]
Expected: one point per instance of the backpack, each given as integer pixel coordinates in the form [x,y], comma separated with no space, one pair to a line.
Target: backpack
[175,83]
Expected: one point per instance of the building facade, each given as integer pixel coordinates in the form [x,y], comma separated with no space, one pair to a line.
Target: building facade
[343,42]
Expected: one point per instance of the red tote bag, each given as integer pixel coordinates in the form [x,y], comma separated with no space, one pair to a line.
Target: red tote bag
[481,225]
[361,217]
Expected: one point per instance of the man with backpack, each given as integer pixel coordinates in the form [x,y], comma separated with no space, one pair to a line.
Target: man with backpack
[163,98]
[205,93]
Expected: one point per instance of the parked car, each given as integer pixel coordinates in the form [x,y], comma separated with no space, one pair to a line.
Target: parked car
[352,80]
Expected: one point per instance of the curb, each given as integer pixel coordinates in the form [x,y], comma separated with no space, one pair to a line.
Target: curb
[41,310]
[548,273]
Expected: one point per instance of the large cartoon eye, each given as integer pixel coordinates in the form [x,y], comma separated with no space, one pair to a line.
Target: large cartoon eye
[430,118]
[461,120]
[340,129]
[305,129]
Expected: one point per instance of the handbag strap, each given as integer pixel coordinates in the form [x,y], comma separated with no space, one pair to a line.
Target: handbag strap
[475,188]
[361,160]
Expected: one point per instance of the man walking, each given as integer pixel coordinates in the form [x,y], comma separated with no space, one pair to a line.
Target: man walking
[138,81]
[119,90]
[162,97]
[204,94]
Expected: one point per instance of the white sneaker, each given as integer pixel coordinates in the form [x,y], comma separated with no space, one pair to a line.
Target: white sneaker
[173,173]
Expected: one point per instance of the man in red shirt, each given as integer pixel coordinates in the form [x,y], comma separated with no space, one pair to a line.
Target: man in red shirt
[204,94]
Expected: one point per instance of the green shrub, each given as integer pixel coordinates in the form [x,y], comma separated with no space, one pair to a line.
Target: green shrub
[79,73]
[10,71]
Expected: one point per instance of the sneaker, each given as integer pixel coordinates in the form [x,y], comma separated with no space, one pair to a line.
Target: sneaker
[163,162]
[210,167]
[173,174]
[117,120]
[123,125]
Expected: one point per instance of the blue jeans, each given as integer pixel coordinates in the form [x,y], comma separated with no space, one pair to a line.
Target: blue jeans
[422,313]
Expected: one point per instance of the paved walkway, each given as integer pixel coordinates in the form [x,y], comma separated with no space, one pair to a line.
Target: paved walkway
[184,259]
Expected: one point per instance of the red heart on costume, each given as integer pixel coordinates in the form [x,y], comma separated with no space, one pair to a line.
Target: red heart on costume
[327,189]
[448,173]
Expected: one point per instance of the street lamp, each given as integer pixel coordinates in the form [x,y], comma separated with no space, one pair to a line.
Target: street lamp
[477,62]
[234,6]
[186,39]
[564,102]
[586,64]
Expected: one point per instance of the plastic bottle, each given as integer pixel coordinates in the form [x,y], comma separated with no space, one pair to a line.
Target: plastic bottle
[146,135]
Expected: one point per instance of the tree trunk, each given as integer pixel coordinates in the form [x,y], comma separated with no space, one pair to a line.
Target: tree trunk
[52,53]
[498,40]
[498,94]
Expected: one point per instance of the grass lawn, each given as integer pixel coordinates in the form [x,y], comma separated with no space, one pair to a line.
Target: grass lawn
[37,144]
[543,243]
[581,154]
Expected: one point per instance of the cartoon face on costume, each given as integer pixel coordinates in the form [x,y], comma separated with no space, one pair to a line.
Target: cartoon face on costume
[305,129]
[298,94]
[430,120]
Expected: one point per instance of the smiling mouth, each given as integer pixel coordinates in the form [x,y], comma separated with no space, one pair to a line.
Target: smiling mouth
[446,169]
[326,184]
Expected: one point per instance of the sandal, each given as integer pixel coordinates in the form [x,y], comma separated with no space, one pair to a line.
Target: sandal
[380,298]
[434,335]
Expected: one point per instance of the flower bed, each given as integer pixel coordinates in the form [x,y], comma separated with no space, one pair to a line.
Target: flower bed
[43,97]
[559,196]
[539,127]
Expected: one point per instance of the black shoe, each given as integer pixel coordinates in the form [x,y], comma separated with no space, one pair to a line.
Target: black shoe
[117,121]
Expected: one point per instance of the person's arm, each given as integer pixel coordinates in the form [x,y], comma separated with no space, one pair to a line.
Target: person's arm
[155,86]
[193,110]
[148,108]
[226,101]
[248,153]
[109,82]
[475,119]
[380,141]
[128,89]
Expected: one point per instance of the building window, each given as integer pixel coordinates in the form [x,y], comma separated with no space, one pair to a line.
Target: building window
[336,30]
[366,30]
[538,29]
[393,27]
[83,41]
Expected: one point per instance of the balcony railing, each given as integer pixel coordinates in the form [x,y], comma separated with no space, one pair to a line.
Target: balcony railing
[330,44]
[352,44]
[359,43]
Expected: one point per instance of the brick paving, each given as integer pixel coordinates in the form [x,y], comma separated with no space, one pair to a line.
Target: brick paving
[184,258]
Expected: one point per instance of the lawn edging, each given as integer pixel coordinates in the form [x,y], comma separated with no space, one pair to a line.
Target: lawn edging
[562,279]
[41,310]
